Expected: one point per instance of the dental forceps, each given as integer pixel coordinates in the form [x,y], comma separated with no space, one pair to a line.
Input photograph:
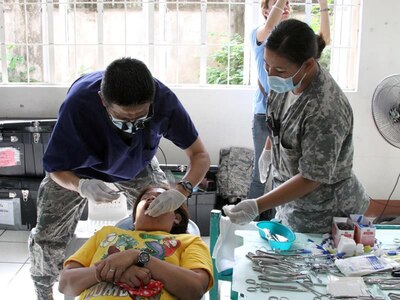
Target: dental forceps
[266,261]
[275,278]
[254,286]
[275,268]
[282,287]
[318,295]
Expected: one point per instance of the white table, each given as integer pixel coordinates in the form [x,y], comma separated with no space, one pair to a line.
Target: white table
[252,241]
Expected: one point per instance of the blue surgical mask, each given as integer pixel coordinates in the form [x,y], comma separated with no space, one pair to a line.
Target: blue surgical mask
[283,85]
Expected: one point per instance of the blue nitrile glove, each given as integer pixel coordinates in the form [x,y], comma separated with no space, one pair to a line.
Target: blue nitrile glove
[96,190]
[169,200]
[243,212]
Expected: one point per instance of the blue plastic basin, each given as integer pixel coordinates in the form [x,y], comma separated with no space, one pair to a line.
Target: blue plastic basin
[276,228]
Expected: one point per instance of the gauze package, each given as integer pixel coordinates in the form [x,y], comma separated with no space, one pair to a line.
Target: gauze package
[364,265]
[346,287]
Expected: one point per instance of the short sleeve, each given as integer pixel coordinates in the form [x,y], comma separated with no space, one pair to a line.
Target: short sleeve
[197,256]
[85,253]
[180,129]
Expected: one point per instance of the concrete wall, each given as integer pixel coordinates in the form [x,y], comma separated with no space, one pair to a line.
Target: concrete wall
[223,116]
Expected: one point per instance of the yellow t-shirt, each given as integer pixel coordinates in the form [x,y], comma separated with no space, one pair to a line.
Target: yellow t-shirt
[185,250]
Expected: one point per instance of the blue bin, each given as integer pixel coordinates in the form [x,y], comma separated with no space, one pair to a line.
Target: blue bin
[276,228]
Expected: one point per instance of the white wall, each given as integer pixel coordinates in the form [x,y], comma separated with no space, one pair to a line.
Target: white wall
[223,116]
[376,162]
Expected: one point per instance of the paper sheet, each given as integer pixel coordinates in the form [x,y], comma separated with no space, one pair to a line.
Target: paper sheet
[9,157]
[7,212]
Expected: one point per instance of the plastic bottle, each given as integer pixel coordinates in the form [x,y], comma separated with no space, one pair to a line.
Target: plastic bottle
[347,246]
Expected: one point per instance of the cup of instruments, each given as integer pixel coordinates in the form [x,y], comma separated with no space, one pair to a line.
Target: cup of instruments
[279,236]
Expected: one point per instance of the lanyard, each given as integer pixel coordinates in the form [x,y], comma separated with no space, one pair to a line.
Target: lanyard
[275,126]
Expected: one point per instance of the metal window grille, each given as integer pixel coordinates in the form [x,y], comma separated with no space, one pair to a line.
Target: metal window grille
[193,42]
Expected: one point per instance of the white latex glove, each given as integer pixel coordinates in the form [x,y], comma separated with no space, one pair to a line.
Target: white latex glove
[263,164]
[96,190]
[243,212]
[168,201]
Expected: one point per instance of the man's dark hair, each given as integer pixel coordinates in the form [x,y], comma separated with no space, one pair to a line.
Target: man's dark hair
[127,81]
[182,210]
[296,41]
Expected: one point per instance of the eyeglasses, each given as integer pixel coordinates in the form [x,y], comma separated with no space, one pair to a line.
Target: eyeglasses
[133,125]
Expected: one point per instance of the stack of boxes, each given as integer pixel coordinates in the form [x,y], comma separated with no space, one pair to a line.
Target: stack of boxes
[356,227]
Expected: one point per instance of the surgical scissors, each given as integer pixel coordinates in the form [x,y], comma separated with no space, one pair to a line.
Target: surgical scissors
[254,286]
[318,295]
[394,296]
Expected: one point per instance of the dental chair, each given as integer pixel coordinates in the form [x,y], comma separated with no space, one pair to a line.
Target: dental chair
[126,223]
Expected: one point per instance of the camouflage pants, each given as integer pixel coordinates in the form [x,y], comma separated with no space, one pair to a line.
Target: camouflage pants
[59,211]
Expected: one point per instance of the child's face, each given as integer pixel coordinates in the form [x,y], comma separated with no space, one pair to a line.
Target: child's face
[144,222]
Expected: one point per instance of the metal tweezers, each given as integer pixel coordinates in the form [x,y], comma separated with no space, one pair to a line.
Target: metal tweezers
[380,280]
[389,286]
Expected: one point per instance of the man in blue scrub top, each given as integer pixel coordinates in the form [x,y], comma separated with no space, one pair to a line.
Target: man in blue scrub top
[108,130]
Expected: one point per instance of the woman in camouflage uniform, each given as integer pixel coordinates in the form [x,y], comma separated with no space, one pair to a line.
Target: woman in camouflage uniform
[311,151]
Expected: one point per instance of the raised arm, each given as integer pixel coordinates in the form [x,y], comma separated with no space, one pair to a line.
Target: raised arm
[274,17]
[325,29]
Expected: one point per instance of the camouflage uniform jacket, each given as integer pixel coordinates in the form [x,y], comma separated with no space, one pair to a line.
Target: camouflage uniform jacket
[316,140]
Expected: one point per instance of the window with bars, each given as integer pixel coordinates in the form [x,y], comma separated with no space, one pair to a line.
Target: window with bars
[192,42]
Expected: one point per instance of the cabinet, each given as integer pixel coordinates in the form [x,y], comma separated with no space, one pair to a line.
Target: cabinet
[200,206]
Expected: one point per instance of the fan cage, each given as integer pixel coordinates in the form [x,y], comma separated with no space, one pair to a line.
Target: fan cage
[386,109]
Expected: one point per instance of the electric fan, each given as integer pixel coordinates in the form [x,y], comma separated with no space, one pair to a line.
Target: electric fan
[386,109]
[386,114]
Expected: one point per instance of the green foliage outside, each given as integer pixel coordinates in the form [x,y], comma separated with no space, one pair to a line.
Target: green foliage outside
[16,67]
[218,74]
[325,58]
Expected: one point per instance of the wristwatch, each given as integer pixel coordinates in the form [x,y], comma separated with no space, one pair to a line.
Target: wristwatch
[187,186]
[143,258]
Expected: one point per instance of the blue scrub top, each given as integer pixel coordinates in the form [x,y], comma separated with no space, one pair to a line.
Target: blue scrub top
[86,142]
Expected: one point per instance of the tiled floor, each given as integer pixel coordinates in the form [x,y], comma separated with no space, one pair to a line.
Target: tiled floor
[15,281]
